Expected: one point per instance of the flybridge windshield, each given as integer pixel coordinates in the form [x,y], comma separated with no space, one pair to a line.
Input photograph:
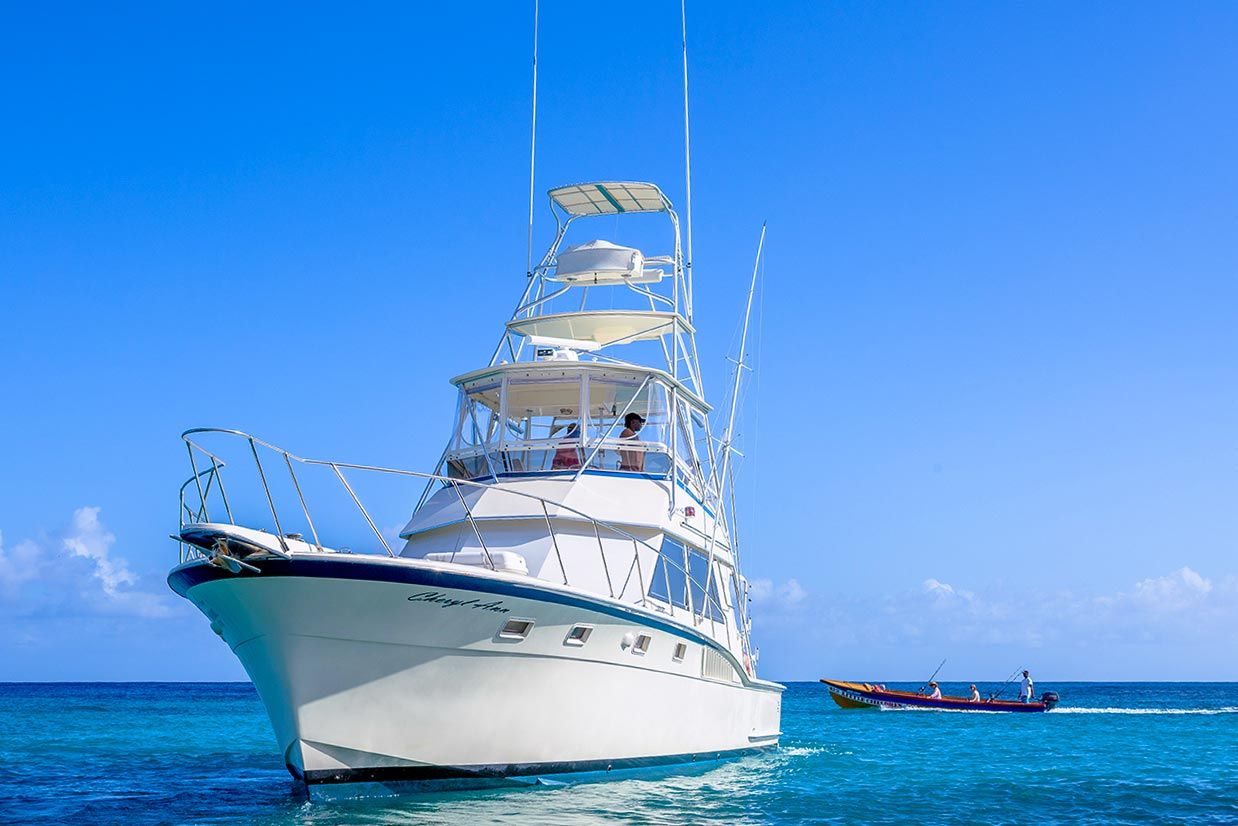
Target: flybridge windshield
[550,420]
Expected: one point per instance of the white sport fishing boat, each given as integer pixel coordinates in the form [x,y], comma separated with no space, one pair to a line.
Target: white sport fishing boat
[567,598]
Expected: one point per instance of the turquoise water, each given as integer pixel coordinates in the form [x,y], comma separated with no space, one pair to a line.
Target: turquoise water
[204,753]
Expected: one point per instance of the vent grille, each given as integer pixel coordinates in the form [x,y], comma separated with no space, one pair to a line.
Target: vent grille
[714,666]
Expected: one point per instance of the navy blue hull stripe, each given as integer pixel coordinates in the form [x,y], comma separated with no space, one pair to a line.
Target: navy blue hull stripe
[389,774]
[183,579]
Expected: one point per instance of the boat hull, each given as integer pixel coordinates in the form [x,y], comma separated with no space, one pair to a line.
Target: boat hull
[396,671]
[866,695]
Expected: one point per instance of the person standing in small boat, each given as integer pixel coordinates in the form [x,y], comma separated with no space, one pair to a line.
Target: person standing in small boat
[1028,690]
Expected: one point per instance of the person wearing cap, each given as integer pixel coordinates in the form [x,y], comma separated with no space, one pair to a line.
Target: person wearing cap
[935,694]
[975,695]
[632,459]
[1028,690]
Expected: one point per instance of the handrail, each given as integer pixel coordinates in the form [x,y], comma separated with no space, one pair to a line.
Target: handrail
[446,481]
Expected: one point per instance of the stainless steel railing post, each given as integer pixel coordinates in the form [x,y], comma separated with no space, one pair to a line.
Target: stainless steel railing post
[198,482]
[640,577]
[361,507]
[468,514]
[304,507]
[210,479]
[554,541]
[217,471]
[602,551]
[279,532]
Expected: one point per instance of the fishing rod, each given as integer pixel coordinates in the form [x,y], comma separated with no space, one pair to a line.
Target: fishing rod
[930,679]
[999,691]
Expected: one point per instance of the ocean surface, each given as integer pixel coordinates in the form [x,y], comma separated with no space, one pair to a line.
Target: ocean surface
[138,753]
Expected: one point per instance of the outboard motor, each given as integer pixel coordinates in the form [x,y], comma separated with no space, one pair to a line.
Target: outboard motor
[1049,698]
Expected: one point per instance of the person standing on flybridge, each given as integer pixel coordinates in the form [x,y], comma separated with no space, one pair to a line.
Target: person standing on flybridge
[1028,690]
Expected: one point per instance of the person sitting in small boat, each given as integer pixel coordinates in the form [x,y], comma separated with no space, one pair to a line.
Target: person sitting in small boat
[935,694]
[975,695]
[1027,691]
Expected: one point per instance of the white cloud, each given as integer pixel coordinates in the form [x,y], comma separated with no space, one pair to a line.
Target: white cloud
[19,565]
[87,538]
[765,592]
[1173,592]
[1176,607]
[791,593]
[77,566]
[945,592]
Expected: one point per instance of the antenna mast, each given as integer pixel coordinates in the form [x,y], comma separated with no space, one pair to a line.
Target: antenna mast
[532,148]
[687,157]
[740,367]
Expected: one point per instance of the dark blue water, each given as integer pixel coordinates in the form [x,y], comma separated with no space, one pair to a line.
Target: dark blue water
[204,753]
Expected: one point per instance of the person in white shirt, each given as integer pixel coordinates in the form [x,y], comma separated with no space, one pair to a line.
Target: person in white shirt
[1027,692]
[936,692]
[975,695]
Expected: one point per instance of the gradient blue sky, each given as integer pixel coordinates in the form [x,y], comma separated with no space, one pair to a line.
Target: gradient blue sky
[996,415]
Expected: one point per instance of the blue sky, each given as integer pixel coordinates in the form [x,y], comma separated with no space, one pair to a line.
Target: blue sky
[996,412]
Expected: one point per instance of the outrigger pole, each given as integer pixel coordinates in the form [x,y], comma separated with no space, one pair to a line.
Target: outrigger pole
[740,367]
[723,475]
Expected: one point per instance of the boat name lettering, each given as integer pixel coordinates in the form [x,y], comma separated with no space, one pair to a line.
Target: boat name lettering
[444,601]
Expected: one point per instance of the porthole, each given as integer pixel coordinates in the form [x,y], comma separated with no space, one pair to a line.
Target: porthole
[641,646]
[516,629]
[681,651]
[579,635]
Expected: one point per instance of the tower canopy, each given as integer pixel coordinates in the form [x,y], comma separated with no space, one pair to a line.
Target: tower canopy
[609,198]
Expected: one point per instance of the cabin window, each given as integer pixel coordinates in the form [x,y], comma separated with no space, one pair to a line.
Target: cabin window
[681,651]
[641,646]
[516,629]
[579,635]
[668,582]
[698,575]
